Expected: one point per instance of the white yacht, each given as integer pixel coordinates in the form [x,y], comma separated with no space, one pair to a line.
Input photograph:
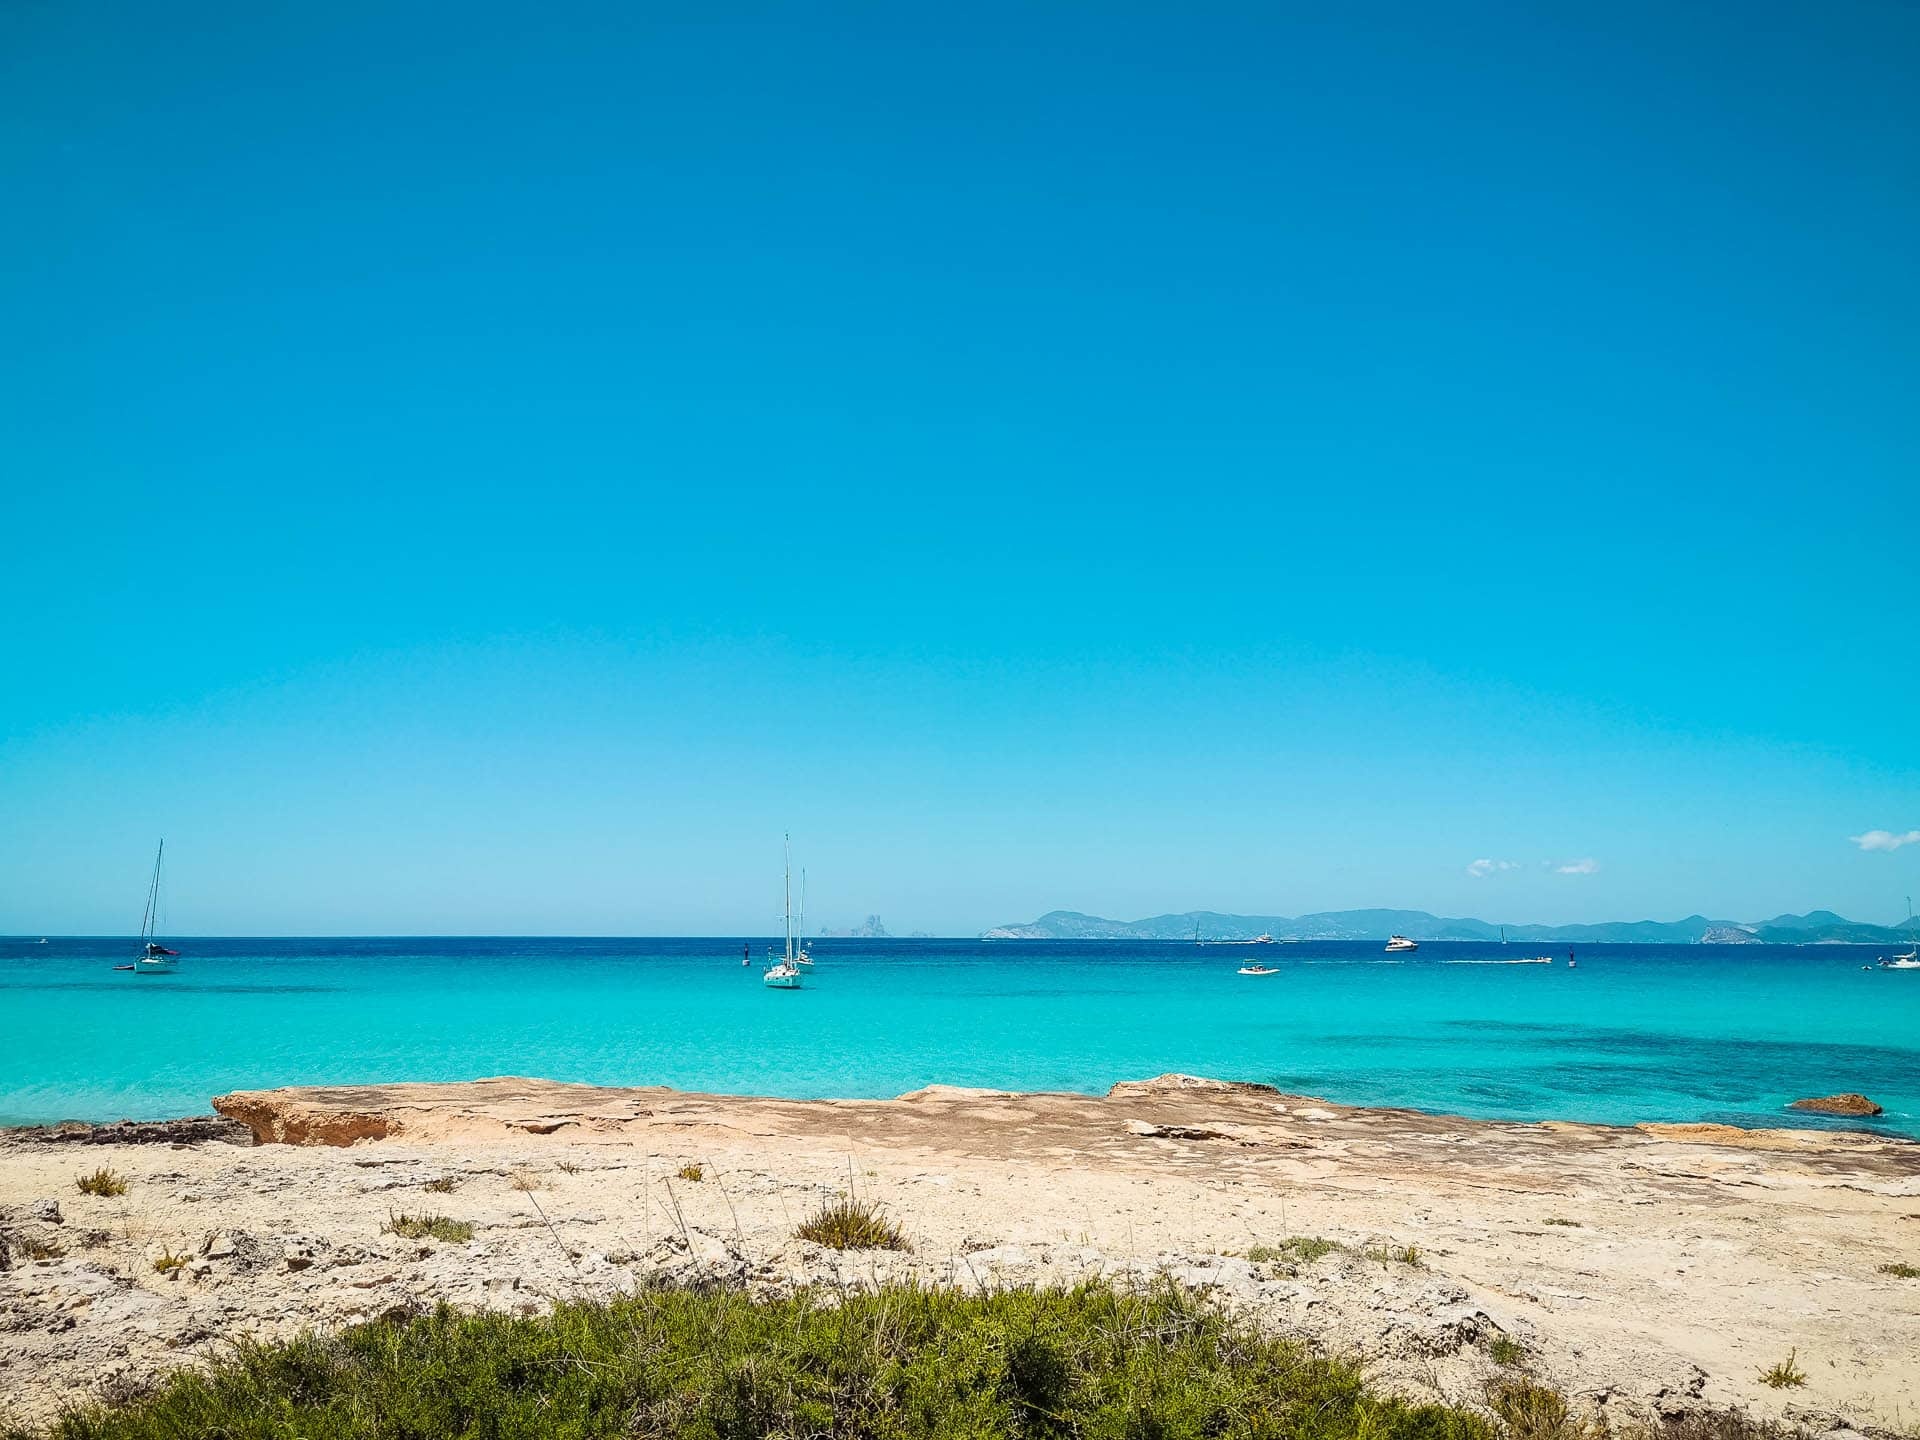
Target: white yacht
[1258,969]
[786,975]
[1910,960]
[1400,942]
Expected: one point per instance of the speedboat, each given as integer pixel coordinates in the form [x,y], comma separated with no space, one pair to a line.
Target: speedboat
[1400,942]
[1259,970]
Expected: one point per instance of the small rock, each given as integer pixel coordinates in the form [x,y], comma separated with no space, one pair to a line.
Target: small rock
[1845,1103]
[217,1247]
[47,1210]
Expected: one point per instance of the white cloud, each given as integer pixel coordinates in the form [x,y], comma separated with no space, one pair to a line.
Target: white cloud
[1885,839]
[1577,867]
[1479,869]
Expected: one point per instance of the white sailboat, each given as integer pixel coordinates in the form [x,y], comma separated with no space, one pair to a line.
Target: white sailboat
[786,975]
[802,955]
[154,958]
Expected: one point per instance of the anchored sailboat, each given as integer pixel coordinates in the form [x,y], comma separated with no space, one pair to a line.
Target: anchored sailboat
[786,975]
[153,957]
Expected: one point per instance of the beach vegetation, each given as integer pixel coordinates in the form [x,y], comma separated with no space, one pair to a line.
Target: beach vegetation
[526,1180]
[1538,1412]
[40,1249]
[1294,1250]
[897,1363]
[1561,1220]
[1387,1254]
[691,1171]
[1900,1270]
[851,1224]
[429,1227]
[1503,1349]
[102,1182]
[1786,1374]
[167,1261]
[440,1185]
[568,1167]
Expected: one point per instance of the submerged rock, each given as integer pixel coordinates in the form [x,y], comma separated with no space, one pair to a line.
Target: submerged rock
[1845,1103]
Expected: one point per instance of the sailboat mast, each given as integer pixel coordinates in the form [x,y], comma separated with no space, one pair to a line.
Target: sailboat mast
[149,917]
[789,875]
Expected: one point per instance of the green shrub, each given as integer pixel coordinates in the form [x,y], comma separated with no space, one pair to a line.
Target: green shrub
[429,1227]
[1295,1249]
[692,1171]
[168,1261]
[849,1224]
[1787,1373]
[1900,1270]
[902,1363]
[1503,1349]
[103,1182]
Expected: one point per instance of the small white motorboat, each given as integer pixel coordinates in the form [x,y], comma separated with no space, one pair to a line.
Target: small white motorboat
[1400,943]
[1259,970]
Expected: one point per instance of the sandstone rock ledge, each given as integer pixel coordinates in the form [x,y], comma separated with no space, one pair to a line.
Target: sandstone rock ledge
[1652,1268]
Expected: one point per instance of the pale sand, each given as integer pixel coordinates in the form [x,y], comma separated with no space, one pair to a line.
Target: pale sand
[1699,1255]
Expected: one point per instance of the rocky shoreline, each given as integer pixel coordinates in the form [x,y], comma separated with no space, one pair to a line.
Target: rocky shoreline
[1657,1269]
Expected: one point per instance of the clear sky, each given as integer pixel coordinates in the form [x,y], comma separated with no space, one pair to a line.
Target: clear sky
[493,468]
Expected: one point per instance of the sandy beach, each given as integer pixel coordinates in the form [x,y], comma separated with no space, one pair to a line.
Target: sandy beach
[1648,1269]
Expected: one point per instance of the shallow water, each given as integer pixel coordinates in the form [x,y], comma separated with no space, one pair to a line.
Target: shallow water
[1635,1032]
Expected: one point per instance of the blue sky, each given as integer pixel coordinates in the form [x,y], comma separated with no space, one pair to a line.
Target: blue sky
[477,470]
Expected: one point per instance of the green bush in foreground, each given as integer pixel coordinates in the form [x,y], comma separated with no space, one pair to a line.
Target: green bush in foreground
[903,1362]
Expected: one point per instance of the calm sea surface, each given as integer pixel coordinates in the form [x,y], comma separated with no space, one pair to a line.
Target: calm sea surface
[1636,1032]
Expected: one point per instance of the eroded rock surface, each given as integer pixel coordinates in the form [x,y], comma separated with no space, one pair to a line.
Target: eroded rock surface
[1652,1269]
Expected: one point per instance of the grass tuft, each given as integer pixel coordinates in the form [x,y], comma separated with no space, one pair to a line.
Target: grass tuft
[102,1182]
[568,1167]
[849,1224]
[1900,1270]
[440,1185]
[691,1171]
[1786,1374]
[429,1227]
[1397,1255]
[40,1249]
[1558,1220]
[897,1363]
[1503,1349]
[526,1180]
[1295,1249]
[167,1260]
[1535,1412]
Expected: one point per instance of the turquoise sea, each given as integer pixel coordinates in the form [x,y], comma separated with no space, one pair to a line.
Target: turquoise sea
[1635,1032]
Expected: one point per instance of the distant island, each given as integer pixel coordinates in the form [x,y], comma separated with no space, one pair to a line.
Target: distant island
[1818,927]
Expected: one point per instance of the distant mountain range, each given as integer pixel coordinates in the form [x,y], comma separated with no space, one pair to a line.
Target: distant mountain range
[1819,927]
